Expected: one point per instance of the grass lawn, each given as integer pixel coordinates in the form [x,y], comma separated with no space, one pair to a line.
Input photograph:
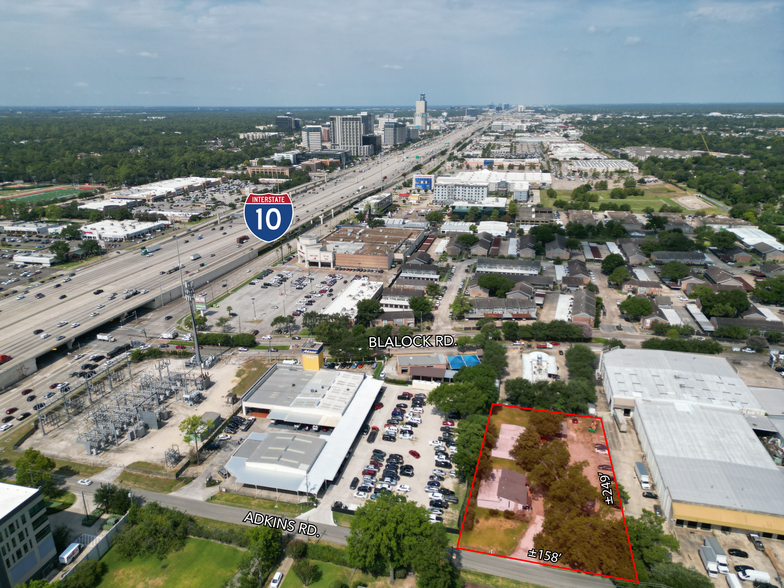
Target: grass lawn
[8,455]
[200,564]
[342,519]
[146,465]
[152,483]
[510,416]
[48,195]
[494,581]
[496,533]
[213,524]
[248,374]
[330,573]
[260,504]
[60,503]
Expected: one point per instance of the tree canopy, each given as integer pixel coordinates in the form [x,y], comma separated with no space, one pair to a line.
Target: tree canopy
[636,307]
[611,262]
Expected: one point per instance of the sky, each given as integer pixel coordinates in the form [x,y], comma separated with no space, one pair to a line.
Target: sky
[257,53]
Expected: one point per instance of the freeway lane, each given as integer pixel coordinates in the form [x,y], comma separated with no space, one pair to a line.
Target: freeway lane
[117,272]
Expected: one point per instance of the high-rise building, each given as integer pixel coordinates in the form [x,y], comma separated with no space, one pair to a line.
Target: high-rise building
[368,122]
[288,123]
[395,133]
[26,542]
[471,112]
[346,133]
[311,137]
[420,114]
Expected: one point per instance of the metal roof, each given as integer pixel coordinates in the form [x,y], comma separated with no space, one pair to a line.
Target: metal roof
[710,455]
[669,375]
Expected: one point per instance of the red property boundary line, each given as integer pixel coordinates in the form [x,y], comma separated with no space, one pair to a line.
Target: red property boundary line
[615,480]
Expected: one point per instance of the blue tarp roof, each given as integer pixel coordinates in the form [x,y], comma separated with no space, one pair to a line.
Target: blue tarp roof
[458,361]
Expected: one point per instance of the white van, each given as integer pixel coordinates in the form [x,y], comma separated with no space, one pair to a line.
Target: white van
[754,576]
[733,582]
[276,580]
[70,553]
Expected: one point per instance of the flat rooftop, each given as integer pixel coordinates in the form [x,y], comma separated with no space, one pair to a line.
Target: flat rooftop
[674,376]
[11,496]
[359,240]
[346,302]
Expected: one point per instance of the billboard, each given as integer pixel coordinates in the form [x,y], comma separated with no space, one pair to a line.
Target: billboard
[200,302]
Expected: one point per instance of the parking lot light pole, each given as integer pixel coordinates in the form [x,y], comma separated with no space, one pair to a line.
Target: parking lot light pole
[253,301]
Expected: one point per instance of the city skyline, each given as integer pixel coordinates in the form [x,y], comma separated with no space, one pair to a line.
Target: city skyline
[221,53]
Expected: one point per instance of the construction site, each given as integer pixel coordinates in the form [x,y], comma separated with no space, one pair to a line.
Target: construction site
[132,413]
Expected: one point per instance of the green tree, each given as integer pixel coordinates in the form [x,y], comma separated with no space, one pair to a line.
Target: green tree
[512,209]
[53,212]
[113,498]
[723,239]
[611,262]
[674,270]
[771,291]
[90,247]
[264,550]
[367,311]
[548,424]
[494,356]
[306,571]
[223,324]
[656,223]
[421,306]
[87,574]
[463,341]
[497,284]
[470,434]
[460,307]
[467,240]
[201,322]
[619,276]
[60,250]
[193,428]
[71,232]
[526,449]
[636,307]
[434,216]
[433,289]
[464,399]
[152,530]
[34,469]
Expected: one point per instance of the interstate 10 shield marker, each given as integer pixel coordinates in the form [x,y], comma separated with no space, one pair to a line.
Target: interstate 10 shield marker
[268,216]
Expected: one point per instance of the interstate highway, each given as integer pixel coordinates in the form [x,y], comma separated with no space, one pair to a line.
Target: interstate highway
[128,269]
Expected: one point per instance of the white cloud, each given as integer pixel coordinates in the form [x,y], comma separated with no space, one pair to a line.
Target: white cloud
[733,11]
[147,54]
[80,85]
[591,29]
[393,67]
[565,50]
[632,41]
[320,85]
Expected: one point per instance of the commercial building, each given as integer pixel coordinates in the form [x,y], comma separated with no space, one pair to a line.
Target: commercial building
[354,246]
[346,133]
[287,122]
[434,360]
[476,185]
[394,133]
[422,181]
[557,248]
[311,137]
[345,303]
[395,319]
[396,299]
[696,421]
[32,228]
[420,113]
[484,206]
[378,203]
[109,230]
[165,189]
[539,366]
[415,271]
[603,165]
[26,540]
[502,308]
[35,259]
[108,204]
[750,237]
[285,464]
[687,257]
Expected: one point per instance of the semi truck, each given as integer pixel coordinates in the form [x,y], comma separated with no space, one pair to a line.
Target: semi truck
[642,475]
[709,561]
[105,338]
[195,256]
[242,239]
[721,557]
[150,248]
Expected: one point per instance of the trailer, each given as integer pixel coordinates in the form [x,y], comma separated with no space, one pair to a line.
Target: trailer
[642,475]
[105,338]
[709,561]
[150,248]
[195,256]
[169,335]
[721,557]
[70,553]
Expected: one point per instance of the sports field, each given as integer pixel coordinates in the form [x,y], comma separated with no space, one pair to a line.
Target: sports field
[42,196]
[654,198]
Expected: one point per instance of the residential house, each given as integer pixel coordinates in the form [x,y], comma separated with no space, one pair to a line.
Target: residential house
[767,252]
[764,326]
[634,254]
[571,284]
[474,290]
[512,491]
[582,217]
[715,275]
[454,248]
[426,273]
[409,284]
[687,257]
[397,298]
[771,269]
[535,216]
[503,308]
[584,307]
[510,267]
[420,258]
[482,247]
[642,287]
[676,221]
[738,255]
[576,268]
[395,318]
[628,220]
[521,290]
[525,246]
[557,248]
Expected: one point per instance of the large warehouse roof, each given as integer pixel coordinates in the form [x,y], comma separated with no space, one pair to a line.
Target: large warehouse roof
[710,456]
[670,375]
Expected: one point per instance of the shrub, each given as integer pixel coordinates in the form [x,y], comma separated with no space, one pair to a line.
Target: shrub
[494,512]
[306,571]
[297,549]
[509,514]
[327,553]
[401,573]
[338,584]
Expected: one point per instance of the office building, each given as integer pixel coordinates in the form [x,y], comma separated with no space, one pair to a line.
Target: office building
[472,112]
[420,113]
[394,133]
[287,123]
[26,541]
[311,137]
[377,203]
[368,122]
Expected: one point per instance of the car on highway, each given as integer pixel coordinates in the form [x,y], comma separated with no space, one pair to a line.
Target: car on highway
[6,427]
[39,406]
[26,391]
[63,296]
[38,331]
[11,410]
[242,348]
[60,337]
[48,395]
[23,416]
[98,292]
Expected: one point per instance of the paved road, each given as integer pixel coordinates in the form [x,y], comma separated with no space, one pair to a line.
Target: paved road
[488,564]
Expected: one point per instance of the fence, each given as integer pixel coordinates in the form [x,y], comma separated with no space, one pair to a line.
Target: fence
[96,548]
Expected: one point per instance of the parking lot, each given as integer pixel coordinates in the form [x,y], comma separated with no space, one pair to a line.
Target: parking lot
[423,434]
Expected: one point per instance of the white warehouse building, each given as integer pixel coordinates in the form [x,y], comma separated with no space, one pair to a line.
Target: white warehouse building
[109,230]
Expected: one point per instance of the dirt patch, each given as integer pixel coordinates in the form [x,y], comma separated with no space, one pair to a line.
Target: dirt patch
[691,202]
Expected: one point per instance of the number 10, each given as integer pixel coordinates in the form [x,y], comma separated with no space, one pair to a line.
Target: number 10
[269,221]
